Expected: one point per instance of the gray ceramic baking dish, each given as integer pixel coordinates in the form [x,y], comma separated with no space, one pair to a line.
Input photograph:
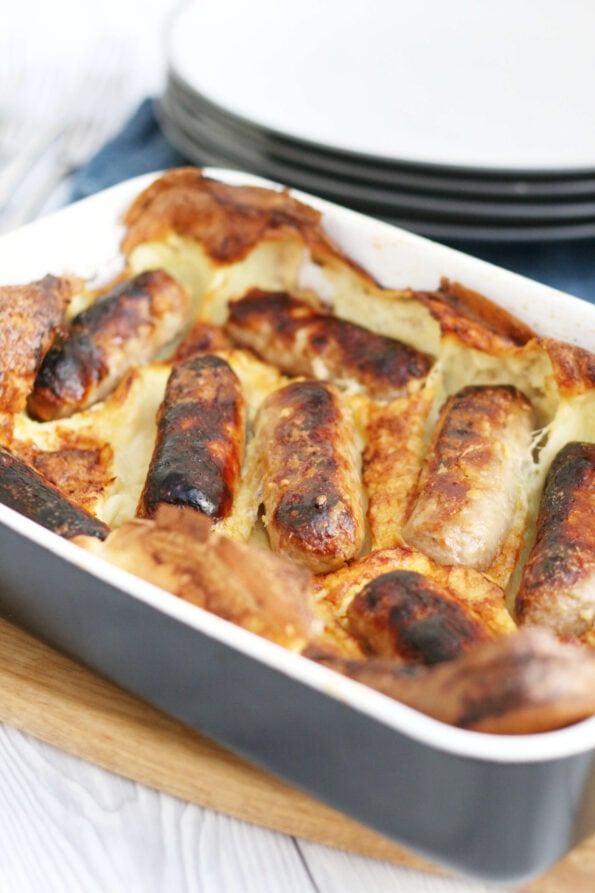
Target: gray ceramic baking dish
[502,808]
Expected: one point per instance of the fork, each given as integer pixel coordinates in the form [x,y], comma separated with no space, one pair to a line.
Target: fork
[22,141]
[77,143]
[96,103]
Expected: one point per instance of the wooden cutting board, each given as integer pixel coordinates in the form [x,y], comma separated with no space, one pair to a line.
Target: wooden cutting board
[54,699]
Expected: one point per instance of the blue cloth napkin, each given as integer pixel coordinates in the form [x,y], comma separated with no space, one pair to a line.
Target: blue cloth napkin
[141,147]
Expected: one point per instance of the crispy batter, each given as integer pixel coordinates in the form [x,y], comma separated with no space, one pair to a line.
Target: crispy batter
[25,490]
[574,367]
[558,584]
[473,318]
[304,340]
[76,462]
[203,337]
[179,552]
[391,464]
[30,317]
[80,472]
[521,684]
[228,221]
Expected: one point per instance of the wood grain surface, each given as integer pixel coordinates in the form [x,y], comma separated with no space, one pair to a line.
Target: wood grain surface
[58,701]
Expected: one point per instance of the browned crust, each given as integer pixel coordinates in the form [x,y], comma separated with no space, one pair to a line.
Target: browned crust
[23,489]
[203,337]
[228,221]
[573,367]
[311,488]
[520,684]
[178,551]
[474,319]
[200,440]
[30,317]
[80,469]
[558,584]
[294,335]
[391,464]
[409,615]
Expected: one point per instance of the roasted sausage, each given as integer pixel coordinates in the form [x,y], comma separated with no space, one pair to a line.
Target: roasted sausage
[471,483]
[200,439]
[558,582]
[417,579]
[26,491]
[126,327]
[311,488]
[302,340]
[408,615]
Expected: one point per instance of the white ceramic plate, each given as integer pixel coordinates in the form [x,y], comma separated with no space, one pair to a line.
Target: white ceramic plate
[364,169]
[432,216]
[506,86]
[204,129]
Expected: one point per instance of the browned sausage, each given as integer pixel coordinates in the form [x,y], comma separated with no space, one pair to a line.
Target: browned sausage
[200,439]
[311,488]
[408,615]
[26,491]
[126,327]
[301,340]
[558,583]
[471,483]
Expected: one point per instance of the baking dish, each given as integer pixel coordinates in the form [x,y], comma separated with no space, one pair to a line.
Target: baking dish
[496,807]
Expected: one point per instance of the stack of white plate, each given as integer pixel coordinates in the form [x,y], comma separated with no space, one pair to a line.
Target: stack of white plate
[458,119]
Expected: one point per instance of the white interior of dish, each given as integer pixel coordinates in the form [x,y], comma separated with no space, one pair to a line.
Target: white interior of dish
[84,239]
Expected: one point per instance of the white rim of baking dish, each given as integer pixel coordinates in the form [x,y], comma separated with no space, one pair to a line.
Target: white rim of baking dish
[363,238]
[407,259]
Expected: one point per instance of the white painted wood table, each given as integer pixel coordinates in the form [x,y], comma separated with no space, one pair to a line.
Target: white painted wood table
[66,825]
[69,826]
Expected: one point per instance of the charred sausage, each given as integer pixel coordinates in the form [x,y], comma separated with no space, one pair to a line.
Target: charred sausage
[311,488]
[200,439]
[26,491]
[302,340]
[126,327]
[472,479]
[408,615]
[558,582]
